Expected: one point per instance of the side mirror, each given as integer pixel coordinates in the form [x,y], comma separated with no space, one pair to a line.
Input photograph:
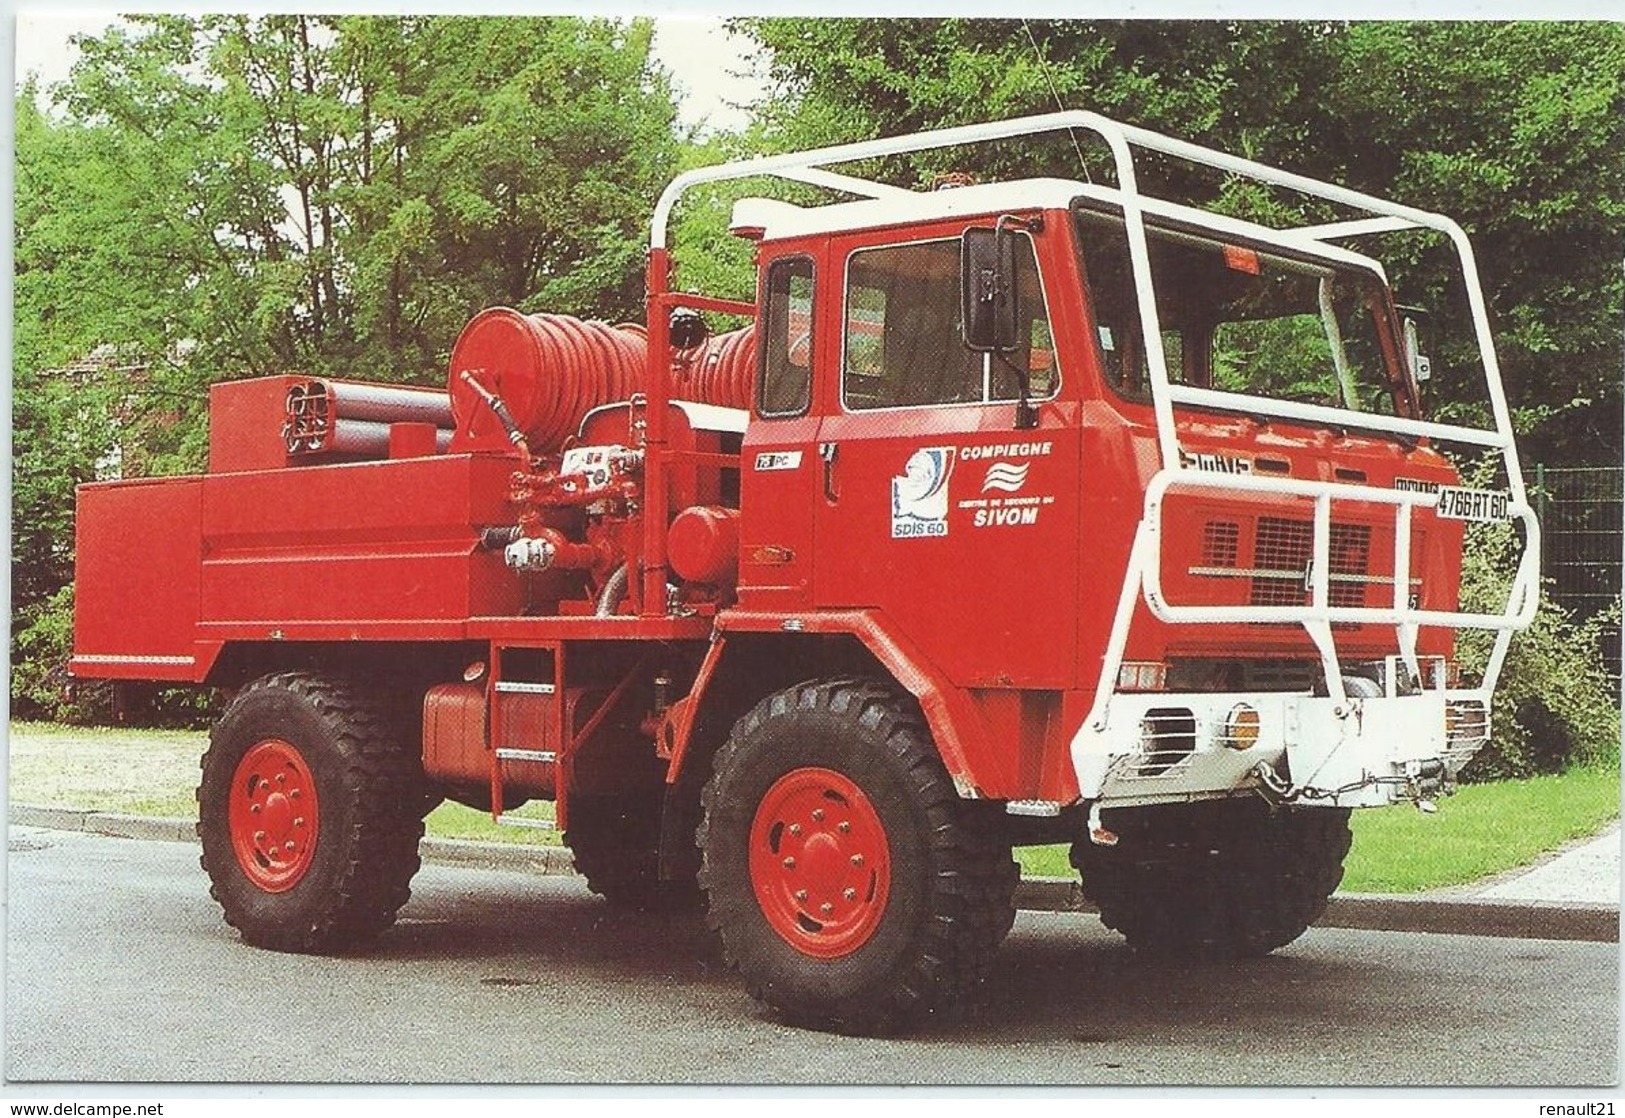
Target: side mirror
[987,290]
[1415,323]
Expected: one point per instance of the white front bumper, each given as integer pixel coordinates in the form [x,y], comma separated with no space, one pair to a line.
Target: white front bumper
[1354,752]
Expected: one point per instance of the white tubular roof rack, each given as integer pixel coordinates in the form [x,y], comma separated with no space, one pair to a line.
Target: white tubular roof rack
[1377,215]
[1383,216]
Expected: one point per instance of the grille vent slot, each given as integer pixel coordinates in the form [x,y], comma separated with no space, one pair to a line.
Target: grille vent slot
[1167,740]
[1283,545]
[1220,541]
[1350,556]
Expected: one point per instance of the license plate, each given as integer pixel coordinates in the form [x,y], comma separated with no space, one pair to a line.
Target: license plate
[1486,506]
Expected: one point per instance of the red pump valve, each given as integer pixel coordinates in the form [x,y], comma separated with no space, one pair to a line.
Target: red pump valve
[549,550]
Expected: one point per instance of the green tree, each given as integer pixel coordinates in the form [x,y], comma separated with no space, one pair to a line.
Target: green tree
[525,180]
[1516,130]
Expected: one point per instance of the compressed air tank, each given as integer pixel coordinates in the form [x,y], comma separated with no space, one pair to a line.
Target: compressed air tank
[703,545]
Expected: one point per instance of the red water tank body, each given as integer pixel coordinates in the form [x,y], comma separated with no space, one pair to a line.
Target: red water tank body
[551,369]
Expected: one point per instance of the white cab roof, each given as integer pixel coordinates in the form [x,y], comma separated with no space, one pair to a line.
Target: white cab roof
[782,220]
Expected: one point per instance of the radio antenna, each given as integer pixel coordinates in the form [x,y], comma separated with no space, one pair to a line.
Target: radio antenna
[1043,66]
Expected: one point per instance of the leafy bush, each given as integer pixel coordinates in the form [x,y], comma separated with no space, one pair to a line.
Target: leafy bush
[1554,706]
[42,642]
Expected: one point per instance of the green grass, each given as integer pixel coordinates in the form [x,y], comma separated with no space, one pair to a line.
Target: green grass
[1483,830]
[181,805]
[1045,861]
[454,821]
[57,733]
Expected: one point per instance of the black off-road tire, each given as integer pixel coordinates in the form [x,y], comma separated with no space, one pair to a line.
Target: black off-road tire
[1215,880]
[336,743]
[616,843]
[888,958]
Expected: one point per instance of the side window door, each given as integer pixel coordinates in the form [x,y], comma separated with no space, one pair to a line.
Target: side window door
[786,375]
[934,509]
[779,461]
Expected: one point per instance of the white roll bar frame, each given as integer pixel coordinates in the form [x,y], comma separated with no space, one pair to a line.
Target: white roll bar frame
[1144,562]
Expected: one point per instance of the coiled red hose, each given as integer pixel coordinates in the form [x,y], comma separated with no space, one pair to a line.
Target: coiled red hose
[552,369]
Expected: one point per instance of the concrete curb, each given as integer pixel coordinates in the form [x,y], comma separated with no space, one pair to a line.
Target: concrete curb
[155,828]
[547,860]
[1419,912]
[1455,915]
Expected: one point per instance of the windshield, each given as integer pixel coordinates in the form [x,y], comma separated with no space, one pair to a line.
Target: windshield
[1245,319]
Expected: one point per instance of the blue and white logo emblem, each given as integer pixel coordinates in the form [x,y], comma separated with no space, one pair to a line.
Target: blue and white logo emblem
[1006,477]
[919,497]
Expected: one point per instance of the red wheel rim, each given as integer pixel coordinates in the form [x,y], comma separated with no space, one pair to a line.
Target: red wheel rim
[820,862]
[272,814]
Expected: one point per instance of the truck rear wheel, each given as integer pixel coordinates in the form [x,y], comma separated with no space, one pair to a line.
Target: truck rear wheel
[1216,879]
[842,872]
[616,843]
[308,815]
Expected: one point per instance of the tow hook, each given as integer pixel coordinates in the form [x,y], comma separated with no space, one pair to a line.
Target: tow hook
[1425,781]
[1098,834]
[1272,787]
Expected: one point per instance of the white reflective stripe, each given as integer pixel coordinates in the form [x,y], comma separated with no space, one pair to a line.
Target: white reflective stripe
[1039,809]
[98,658]
[541,757]
[515,687]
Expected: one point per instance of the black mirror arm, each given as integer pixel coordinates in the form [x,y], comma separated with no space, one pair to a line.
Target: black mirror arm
[1026,413]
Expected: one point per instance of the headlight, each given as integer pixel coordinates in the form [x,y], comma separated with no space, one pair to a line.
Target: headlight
[1241,727]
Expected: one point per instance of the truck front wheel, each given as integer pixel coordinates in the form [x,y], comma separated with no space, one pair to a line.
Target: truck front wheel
[842,872]
[1215,879]
[308,812]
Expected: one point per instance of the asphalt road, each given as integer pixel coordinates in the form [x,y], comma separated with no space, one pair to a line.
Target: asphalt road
[118,968]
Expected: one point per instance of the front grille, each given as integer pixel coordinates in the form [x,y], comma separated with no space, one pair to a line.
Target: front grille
[1282,545]
[1350,558]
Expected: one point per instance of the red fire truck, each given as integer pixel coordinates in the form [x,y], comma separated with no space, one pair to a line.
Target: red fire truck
[1024,512]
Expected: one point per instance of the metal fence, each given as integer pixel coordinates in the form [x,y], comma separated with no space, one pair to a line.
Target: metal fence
[1580,509]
